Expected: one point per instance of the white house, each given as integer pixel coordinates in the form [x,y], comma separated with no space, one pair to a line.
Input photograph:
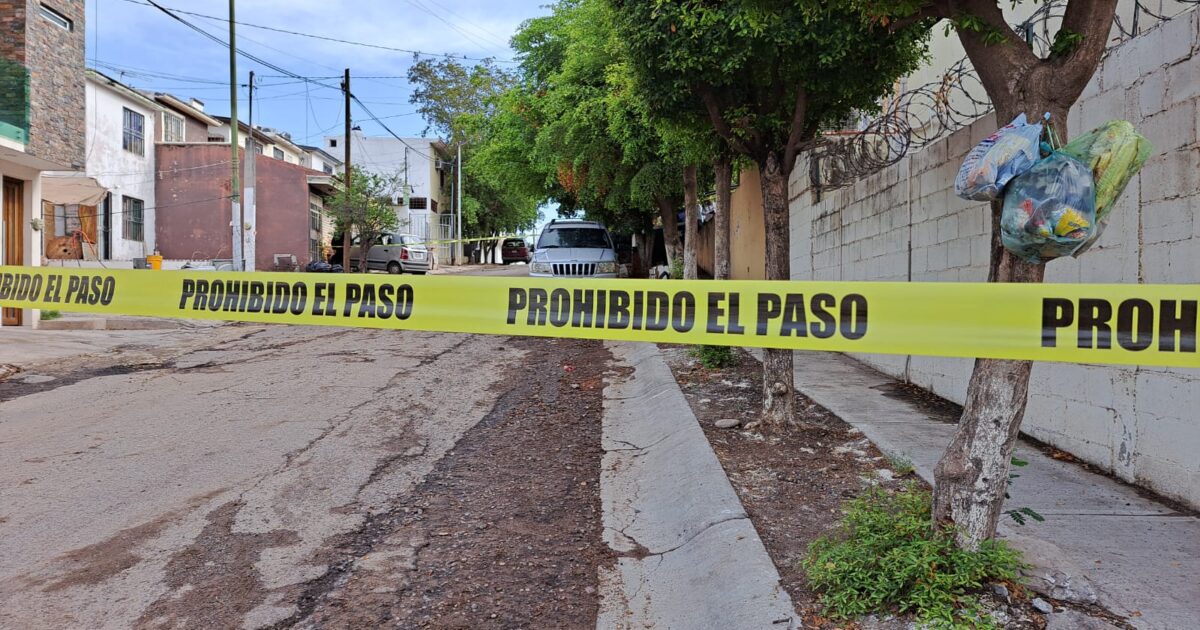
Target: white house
[110,216]
[425,171]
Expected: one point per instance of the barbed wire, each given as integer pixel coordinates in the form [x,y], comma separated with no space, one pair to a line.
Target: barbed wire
[916,118]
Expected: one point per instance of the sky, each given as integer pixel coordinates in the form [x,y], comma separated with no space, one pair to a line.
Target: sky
[141,46]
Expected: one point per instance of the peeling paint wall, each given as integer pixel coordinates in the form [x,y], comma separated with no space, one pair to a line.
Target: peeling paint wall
[905,223]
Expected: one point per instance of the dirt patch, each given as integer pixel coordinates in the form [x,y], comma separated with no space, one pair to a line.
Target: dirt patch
[793,486]
[96,563]
[504,533]
[213,583]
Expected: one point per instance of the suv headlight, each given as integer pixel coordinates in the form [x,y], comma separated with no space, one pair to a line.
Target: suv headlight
[540,267]
[606,267]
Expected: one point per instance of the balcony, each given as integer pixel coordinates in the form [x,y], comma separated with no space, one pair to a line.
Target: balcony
[14,102]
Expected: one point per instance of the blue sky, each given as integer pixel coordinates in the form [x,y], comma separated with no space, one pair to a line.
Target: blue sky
[129,36]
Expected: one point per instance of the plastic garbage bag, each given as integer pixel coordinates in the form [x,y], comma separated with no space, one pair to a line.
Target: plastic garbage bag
[1115,152]
[1049,211]
[1012,150]
[317,266]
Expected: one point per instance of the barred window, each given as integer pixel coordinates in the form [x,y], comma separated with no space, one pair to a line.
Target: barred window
[133,138]
[172,128]
[417,203]
[277,153]
[134,221]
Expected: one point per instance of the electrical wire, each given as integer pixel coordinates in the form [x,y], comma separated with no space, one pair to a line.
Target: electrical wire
[380,122]
[325,38]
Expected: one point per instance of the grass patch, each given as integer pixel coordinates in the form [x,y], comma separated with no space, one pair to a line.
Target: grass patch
[714,357]
[887,557]
[50,315]
[901,465]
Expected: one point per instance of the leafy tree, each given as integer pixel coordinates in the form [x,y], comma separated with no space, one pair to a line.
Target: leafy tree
[364,208]
[972,475]
[768,73]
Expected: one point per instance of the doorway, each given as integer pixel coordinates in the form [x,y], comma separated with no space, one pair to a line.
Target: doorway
[14,249]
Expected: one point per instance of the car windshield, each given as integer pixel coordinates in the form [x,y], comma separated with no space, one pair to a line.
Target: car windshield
[593,238]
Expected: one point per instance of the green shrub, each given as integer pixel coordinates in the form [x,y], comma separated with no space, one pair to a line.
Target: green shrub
[714,357]
[887,557]
[49,315]
[677,268]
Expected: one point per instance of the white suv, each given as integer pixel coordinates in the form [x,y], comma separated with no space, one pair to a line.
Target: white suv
[573,248]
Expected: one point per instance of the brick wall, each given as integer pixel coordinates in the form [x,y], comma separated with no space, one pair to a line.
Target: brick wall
[55,58]
[12,30]
[905,223]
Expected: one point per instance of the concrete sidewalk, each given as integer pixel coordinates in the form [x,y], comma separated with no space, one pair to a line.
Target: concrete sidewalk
[1101,541]
[688,555]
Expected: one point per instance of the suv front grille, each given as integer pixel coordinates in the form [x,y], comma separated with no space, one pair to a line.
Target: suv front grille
[574,269]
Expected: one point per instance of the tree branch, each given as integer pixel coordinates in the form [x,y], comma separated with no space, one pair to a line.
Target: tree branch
[718,121]
[1093,20]
[796,133]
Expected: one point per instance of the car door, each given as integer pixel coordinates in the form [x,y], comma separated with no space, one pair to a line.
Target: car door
[380,253]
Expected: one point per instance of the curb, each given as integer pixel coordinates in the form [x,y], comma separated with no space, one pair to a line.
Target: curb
[687,554]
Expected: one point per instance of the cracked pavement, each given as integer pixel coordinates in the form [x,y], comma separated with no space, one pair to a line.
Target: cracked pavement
[199,489]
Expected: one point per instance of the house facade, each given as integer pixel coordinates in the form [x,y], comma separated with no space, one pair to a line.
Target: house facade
[41,121]
[424,169]
[108,214]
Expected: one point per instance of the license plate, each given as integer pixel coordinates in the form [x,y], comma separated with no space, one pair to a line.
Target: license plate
[418,255]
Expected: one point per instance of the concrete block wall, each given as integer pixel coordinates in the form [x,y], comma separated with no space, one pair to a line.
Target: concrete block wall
[905,224]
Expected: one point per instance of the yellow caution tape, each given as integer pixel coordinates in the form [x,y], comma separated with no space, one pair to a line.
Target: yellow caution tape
[1123,324]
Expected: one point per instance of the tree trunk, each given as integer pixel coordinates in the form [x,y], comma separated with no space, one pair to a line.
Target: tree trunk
[691,223]
[971,478]
[670,221]
[778,377]
[723,172]
[639,262]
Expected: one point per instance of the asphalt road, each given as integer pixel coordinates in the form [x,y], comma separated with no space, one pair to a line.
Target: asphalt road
[206,479]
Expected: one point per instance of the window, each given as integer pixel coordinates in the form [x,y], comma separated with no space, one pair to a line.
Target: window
[133,225]
[172,127]
[327,168]
[333,143]
[416,203]
[277,153]
[585,238]
[314,213]
[57,18]
[216,139]
[434,202]
[133,138]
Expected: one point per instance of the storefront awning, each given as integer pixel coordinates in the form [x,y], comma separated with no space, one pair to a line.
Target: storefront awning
[71,188]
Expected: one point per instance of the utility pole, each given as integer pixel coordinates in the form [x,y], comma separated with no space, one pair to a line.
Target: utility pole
[458,246]
[249,208]
[347,179]
[235,191]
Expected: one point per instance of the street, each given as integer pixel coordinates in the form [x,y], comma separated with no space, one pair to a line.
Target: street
[228,485]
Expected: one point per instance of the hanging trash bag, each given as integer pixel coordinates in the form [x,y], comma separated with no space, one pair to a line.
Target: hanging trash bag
[1010,151]
[1049,211]
[1115,152]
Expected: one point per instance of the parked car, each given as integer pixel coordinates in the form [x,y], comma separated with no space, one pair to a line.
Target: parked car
[574,248]
[393,253]
[515,250]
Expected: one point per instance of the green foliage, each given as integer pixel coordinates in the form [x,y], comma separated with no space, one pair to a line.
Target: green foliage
[965,22]
[902,465]
[50,315]
[1019,515]
[714,357]
[887,556]
[676,270]
[1065,43]
[364,208]
[767,73]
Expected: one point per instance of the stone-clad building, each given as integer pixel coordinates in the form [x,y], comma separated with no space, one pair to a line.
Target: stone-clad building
[42,117]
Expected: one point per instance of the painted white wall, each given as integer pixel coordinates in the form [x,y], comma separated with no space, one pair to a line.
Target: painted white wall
[123,173]
[412,161]
[906,224]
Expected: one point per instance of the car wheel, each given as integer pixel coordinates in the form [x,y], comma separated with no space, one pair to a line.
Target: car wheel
[394,268]
[664,275]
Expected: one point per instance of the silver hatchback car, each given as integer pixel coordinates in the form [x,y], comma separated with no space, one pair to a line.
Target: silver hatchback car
[395,253]
[574,248]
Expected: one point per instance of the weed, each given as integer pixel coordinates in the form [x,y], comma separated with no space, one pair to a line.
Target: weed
[902,465]
[677,268]
[888,557]
[49,315]
[714,357]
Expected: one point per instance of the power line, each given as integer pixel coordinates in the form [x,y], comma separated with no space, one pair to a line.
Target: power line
[325,38]
[379,121]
